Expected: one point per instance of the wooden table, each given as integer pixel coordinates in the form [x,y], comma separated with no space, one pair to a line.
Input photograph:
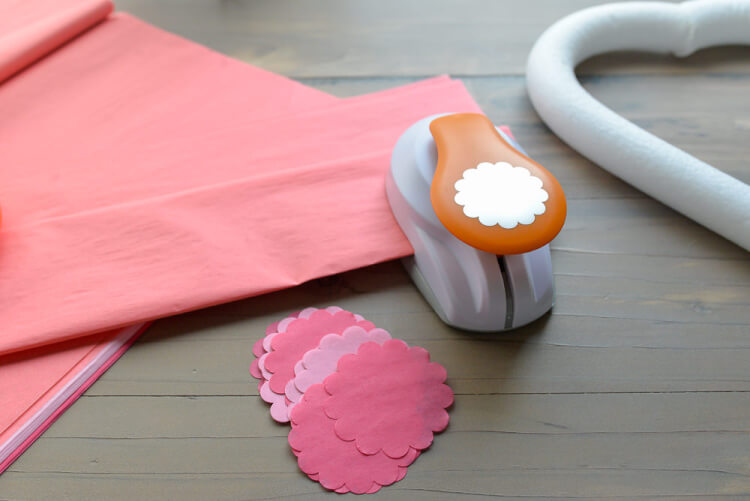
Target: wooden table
[636,386]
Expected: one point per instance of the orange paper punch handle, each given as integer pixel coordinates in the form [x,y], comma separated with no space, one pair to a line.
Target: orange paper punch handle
[487,193]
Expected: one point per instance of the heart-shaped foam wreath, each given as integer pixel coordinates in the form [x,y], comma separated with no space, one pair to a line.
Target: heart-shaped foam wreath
[690,186]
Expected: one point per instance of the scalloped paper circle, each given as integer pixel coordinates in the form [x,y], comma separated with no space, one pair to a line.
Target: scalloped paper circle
[336,462]
[388,398]
[319,363]
[294,337]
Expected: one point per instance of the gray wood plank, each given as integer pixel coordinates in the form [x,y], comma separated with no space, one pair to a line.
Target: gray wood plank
[532,414]
[418,37]
[627,464]
[584,483]
[606,334]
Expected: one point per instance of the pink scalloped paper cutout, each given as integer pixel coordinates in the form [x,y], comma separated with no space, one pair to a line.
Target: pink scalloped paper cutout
[259,350]
[336,463]
[261,361]
[402,470]
[301,335]
[254,369]
[278,327]
[283,324]
[388,398]
[292,392]
[294,337]
[345,489]
[279,409]
[321,362]
[375,488]
[271,331]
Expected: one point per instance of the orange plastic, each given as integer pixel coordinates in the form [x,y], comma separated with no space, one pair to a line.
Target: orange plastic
[464,140]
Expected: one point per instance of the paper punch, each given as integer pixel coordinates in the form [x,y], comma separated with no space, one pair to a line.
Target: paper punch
[480,215]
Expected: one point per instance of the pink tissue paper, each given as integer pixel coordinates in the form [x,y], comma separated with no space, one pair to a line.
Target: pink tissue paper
[142,175]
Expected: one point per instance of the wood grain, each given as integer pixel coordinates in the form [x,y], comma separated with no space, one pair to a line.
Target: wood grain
[339,38]
[635,386]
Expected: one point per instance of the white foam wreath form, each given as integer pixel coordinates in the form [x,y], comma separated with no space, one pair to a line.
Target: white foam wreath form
[690,186]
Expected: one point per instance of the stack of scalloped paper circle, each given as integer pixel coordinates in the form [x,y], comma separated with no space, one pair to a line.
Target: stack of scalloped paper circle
[362,405]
